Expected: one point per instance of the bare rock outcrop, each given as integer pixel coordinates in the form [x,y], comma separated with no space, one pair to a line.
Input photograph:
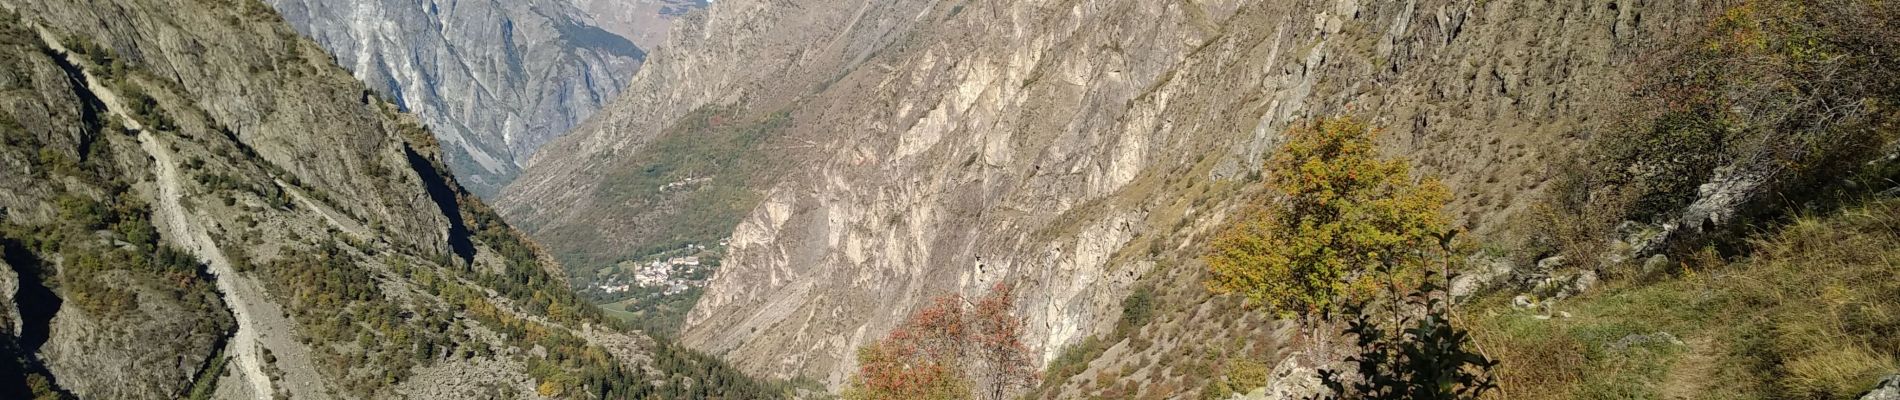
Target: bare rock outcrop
[644,22]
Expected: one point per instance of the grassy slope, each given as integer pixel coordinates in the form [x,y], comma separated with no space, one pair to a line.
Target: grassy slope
[714,158]
[1812,314]
[1796,90]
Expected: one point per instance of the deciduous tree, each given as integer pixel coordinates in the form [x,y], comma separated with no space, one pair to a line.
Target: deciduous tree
[1346,221]
[998,340]
[952,349]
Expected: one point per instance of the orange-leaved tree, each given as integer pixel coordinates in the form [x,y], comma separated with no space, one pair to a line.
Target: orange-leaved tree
[919,360]
[952,349]
[1347,223]
[998,344]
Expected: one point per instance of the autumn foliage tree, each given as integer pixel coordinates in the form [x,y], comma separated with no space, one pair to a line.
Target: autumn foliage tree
[953,349]
[1347,220]
[1352,226]
[919,360]
[998,344]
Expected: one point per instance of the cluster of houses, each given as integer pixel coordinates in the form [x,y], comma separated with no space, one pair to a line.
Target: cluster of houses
[673,274]
[665,273]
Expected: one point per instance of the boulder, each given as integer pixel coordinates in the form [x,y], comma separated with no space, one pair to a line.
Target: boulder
[1888,389]
[9,311]
[1567,284]
[1522,302]
[1582,282]
[1290,380]
[1550,263]
[1484,271]
[1656,264]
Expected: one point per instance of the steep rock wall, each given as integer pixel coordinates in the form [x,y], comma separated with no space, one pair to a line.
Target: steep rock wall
[494,79]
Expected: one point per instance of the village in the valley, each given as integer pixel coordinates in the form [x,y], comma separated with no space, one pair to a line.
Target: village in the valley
[662,286]
[666,274]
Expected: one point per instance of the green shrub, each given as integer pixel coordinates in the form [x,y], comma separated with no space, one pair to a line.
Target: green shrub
[1137,309]
[1412,357]
[1247,374]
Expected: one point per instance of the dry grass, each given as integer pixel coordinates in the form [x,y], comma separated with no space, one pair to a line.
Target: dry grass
[1813,315]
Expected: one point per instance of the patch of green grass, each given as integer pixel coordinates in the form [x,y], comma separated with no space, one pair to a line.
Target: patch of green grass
[1608,349]
[618,310]
[655,313]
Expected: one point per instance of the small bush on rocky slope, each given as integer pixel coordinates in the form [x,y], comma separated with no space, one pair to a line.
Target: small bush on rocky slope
[1420,357]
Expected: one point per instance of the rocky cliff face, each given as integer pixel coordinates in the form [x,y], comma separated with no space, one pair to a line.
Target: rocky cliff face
[197,202]
[606,195]
[1078,149]
[494,79]
[645,22]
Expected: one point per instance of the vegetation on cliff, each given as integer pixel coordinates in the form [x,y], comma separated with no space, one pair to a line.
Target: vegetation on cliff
[335,231]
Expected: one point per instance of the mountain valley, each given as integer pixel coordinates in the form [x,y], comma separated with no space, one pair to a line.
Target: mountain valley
[912,199]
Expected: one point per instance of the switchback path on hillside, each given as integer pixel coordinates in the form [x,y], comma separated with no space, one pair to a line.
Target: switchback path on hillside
[179,226]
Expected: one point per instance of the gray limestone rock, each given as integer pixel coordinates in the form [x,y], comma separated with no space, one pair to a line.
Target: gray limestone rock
[494,79]
[1888,389]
